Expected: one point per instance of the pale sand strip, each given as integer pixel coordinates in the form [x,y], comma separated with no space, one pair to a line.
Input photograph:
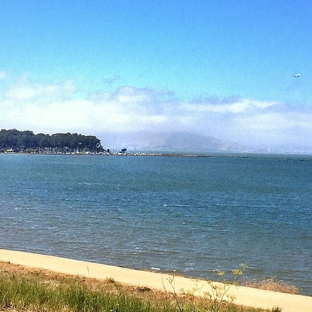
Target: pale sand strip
[244,296]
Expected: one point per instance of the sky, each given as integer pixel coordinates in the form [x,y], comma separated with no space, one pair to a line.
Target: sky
[220,68]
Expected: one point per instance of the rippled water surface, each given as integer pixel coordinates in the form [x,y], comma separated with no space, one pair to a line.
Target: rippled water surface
[190,214]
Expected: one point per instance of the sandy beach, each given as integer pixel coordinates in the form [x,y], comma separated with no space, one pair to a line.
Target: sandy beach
[244,295]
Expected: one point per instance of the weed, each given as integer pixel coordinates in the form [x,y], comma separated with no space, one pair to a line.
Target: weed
[216,299]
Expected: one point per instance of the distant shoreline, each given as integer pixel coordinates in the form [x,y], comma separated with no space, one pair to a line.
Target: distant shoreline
[216,154]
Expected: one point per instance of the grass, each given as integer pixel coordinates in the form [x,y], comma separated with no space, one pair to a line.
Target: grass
[24,289]
[273,285]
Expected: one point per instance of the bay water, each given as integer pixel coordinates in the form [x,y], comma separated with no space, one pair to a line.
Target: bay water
[191,215]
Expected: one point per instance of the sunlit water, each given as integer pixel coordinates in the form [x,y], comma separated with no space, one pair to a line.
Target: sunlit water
[194,215]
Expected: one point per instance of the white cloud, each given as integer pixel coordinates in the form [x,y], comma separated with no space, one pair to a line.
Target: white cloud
[2,75]
[239,106]
[28,91]
[21,93]
[60,108]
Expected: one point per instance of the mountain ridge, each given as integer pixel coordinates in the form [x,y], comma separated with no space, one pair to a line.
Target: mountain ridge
[167,141]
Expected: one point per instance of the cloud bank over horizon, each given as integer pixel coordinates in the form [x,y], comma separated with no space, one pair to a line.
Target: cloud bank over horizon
[62,107]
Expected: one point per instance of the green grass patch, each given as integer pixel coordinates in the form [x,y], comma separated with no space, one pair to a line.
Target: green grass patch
[29,290]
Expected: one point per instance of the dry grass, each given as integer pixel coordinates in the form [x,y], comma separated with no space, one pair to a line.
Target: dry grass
[140,298]
[272,285]
[54,280]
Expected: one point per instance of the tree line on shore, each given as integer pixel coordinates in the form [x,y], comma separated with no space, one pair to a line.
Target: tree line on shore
[26,141]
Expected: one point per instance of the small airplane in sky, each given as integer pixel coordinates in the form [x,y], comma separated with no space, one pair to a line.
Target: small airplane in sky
[297,75]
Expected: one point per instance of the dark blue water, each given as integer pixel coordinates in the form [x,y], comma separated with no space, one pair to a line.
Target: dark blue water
[195,215]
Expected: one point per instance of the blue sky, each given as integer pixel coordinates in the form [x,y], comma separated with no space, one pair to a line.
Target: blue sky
[217,68]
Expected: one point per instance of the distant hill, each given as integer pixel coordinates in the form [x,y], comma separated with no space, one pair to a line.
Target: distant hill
[166,141]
